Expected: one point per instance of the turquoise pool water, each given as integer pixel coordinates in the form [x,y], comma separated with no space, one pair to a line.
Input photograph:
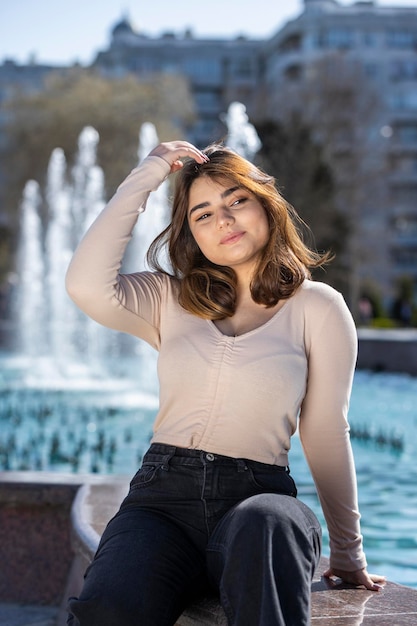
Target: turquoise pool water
[385,406]
[93,424]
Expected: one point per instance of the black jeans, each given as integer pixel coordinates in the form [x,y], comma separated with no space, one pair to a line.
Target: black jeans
[193,519]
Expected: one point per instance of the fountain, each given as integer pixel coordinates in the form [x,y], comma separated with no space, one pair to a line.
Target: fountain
[49,326]
[241,134]
[47,322]
[155,218]
[77,397]
[31,269]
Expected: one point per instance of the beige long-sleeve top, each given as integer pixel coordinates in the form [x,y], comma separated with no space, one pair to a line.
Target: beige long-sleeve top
[238,396]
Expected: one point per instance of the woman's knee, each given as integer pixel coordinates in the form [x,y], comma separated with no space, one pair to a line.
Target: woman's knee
[265,510]
[270,537]
[281,522]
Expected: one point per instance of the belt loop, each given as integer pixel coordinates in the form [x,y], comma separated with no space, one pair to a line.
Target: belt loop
[241,465]
[167,458]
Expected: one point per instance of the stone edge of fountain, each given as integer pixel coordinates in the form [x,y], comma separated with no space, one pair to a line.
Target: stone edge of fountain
[388,350]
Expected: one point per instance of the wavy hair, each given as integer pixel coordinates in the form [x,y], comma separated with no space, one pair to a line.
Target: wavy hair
[209,290]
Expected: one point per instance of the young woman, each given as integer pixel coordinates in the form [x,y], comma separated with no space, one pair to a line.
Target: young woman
[249,346]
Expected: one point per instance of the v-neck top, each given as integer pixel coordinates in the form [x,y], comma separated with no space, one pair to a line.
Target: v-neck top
[241,396]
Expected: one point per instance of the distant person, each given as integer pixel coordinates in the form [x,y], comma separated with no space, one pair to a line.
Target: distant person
[366,311]
[249,346]
[402,311]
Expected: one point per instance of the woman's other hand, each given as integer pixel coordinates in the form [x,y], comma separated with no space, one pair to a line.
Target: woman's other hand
[173,151]
[359,577]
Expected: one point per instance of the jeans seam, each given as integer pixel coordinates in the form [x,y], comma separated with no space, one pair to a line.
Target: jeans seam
[203,499]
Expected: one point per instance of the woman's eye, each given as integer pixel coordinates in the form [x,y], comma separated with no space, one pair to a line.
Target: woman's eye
[202,217]
[238,201]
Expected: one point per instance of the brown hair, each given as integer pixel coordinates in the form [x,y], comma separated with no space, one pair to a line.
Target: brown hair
[209,290]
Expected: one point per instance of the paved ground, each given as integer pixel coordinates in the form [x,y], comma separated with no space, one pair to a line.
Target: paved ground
[17,615]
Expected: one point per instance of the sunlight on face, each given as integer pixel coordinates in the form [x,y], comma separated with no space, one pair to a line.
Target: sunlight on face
[229,223]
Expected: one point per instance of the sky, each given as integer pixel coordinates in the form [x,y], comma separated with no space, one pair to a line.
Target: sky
[61,32]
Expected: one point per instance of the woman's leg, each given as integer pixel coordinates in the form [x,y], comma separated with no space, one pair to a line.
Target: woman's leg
[145,572]
[262,556]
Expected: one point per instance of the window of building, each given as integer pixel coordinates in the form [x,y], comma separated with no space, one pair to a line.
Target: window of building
[406,133]
[292,43]
[335,38]
[142,65]
[371,69]
[404,196]
[207,100]
[400,39]
[403,69]
[405,256]
[402,101]
[293,72]
[171,67]
[242,68]
[197,68]
[405,225]
[404,164]
[370,39]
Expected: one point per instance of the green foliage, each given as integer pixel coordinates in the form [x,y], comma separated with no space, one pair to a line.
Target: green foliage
[383,322]
[55,115]
[405,288]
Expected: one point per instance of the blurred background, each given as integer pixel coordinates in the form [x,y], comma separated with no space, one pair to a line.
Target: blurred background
[323,93]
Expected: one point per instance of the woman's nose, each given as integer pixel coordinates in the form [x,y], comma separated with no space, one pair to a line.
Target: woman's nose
[224,217]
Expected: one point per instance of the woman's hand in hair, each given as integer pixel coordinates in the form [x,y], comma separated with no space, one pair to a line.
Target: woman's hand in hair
[173,151]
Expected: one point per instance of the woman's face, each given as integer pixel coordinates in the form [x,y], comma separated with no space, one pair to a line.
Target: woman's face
[228,223]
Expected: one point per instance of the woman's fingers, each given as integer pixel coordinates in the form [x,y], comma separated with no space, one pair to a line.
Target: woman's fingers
[173,151]
[373,582]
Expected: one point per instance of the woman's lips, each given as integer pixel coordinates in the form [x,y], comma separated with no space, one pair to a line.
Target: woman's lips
[232,238]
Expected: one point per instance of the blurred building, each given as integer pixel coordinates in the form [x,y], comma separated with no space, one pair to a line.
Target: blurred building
[218,70]
[350,70]
[353,70]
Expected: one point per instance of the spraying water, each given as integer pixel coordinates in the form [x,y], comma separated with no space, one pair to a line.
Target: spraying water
[156,217]
[30,336]
[58,248]
[48,324]
[242,136]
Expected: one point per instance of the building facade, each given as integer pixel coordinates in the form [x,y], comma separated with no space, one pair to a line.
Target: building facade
[219,71]
[365,58]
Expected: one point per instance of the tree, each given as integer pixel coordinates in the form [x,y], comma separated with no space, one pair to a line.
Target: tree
[306,181]
[333,96]
[54,117]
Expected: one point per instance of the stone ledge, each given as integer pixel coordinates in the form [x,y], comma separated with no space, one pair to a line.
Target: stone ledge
[332,604]
[35,528]
[388,350]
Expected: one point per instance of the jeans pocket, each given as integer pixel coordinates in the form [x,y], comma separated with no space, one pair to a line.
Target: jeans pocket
[272,479]
[145,475]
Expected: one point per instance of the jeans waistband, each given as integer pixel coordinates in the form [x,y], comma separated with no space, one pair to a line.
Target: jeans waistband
[172,452]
